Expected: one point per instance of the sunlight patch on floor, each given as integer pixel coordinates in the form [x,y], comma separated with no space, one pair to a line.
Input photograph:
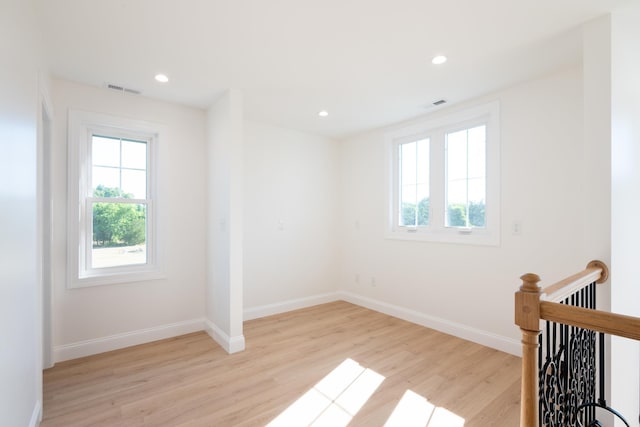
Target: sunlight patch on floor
[333,401]
[414,410]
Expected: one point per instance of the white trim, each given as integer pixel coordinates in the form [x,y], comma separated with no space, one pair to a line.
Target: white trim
[289,305]
[229,344]
[81,124]
[36,415]
[459,330]
[126,339]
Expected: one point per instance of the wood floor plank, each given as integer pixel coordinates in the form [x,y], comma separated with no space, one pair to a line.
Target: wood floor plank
[191,381]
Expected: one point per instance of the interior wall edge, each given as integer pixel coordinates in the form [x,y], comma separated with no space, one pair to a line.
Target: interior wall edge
[231,345]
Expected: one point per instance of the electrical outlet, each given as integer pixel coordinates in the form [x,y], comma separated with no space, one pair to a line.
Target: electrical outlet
[516,228]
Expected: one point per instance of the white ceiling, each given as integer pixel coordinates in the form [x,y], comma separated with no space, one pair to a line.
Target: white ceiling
[368,62]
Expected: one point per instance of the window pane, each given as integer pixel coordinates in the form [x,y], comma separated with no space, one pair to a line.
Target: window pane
[477,189]
[119,167]
[134,154]
[456,215]
[477,152]
[408,163]
[105,178]
[414,183]
[119,234]
[466,177]
[456,147]
[457,192]
[105,151]
[423,204]
[134,183]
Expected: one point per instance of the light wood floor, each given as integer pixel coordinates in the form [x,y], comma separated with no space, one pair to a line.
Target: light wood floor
[191,381]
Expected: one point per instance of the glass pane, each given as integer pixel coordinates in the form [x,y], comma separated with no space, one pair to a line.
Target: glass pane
[414,183]
[477,152]
[422,163]
[408,214]
[456,215]
[457,192]
[477,216]
[423,204]
[134,184]
[119,234]
[408,163]
[477,189]
[466,177]
[105,151]
[477,193]
[456,147]
[106,181]
[134,154]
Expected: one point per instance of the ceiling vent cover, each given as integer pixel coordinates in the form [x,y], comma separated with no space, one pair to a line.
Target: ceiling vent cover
[122,89]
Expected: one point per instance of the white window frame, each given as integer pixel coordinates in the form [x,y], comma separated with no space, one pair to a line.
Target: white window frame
[436,129]
[82,127]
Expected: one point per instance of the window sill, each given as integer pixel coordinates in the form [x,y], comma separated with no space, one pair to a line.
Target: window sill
[454,236]
[116,278]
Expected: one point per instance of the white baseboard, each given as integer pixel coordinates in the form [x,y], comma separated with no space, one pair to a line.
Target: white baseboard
[36,415]
[289,305]
[468,333]
[127,339]
[229,344]
[237,343]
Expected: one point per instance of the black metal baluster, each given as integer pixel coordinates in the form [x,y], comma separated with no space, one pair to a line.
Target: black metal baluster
[541,382]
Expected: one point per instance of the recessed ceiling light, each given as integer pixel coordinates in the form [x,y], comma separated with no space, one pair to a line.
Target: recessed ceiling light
[439,59]
[323,113]
[162,78]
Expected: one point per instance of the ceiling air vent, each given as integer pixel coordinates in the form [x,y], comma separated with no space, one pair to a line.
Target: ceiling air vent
[440,102]
[122,89]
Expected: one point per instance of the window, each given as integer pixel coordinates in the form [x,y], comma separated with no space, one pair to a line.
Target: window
[444,179]
[414,183]
[113,200]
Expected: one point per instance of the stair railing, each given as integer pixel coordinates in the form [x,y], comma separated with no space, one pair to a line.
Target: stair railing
[563,365]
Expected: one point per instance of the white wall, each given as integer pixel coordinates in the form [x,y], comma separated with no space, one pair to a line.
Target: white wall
[89,320]
[20,330]
[596,65]
[224,217]
[468,290]
[625,203]
[290,234]
[597,144]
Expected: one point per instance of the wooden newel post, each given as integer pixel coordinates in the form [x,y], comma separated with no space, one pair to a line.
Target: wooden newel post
[527,316]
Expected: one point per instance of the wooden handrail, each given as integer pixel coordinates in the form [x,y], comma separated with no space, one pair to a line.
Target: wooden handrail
[595,320]
[596,271]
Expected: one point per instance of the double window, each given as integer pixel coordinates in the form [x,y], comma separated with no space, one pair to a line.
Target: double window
[112,200]
[444,180]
